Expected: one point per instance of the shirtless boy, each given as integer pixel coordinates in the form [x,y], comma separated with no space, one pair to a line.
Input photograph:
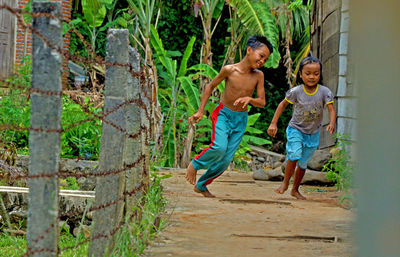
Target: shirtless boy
[229,118]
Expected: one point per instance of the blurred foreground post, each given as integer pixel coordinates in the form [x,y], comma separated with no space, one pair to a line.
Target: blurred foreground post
[375,45]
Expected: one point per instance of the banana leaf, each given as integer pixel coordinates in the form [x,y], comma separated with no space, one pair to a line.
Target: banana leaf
[191,92]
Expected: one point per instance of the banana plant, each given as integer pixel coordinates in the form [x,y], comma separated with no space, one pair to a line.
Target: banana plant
[94,12]
[293,23]
[256,18]
[146,16]
[250,132]
[237,33]
[176,81]
[278,20]
[208,10]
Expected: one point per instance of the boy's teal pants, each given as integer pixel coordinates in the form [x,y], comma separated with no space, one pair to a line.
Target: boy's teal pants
[228,130]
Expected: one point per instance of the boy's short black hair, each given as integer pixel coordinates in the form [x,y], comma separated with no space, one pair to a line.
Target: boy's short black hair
[256,41]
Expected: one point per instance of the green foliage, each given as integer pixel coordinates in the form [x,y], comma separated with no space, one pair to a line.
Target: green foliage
[78,141]
[271,32]
[192,92]
[209,72]
[131,240]
[83,140]
[257,17]
[275,90]
[250,138]
[69,183]
[134,236]
[27,9]
[11,246]
[15,106]
[340,167]
[68,240]
[177,24]
[93,21]
[171,98]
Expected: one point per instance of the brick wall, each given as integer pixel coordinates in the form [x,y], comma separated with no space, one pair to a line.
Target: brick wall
[23,44]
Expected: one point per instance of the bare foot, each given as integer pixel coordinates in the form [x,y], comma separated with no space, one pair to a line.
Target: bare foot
[297,195]
[281,189]
[204,193]
[191,174]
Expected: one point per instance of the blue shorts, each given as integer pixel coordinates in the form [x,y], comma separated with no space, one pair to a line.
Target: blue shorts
[300,147]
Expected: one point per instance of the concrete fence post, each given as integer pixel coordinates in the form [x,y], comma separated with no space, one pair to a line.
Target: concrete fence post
[111,187]
[146,136]
[133,146]
[44,138]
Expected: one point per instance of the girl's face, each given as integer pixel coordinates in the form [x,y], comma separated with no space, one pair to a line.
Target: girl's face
[311,74]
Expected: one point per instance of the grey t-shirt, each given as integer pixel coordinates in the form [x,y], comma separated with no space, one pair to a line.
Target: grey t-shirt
[308,108]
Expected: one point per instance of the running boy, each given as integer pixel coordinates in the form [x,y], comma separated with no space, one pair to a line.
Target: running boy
[229,118]
[308,99]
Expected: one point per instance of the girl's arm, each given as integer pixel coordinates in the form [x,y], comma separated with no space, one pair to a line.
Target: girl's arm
[332,117]
[273,128]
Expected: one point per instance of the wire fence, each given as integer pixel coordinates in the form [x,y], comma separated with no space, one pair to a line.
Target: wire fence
[123,169]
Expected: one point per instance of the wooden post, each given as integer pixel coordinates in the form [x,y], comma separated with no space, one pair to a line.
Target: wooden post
[7,40]
[111,187]
[44,138]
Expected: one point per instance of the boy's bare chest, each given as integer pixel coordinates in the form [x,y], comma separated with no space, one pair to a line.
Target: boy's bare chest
[241,82]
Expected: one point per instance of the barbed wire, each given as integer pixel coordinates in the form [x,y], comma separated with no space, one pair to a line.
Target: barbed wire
[143,97]
[95,208]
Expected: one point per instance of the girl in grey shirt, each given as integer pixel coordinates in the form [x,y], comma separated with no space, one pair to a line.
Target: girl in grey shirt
[308,99]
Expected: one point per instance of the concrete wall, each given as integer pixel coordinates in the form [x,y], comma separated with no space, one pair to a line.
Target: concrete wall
[330,33]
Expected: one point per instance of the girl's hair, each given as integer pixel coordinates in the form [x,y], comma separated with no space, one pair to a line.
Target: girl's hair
[308,60]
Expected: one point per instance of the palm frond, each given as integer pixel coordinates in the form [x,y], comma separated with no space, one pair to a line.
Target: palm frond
[248,15]
[166,61]
[271,32]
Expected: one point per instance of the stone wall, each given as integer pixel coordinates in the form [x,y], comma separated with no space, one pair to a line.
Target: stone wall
[267,165]
[70,202]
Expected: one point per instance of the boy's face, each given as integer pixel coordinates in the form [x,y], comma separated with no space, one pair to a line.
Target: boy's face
[258,56]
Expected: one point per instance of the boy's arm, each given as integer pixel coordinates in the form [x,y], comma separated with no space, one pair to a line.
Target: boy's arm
[207,93]
[273,128]
[257,102]
[332,117]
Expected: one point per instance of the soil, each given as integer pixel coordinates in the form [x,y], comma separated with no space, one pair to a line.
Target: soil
[247,218]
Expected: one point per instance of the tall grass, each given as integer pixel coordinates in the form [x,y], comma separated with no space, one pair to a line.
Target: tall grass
[135,236]
[340,168]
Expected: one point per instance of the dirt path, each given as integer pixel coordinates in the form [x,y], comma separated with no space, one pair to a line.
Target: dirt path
[248,219]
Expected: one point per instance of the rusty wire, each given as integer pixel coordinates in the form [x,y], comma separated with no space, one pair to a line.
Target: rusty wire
[94,58]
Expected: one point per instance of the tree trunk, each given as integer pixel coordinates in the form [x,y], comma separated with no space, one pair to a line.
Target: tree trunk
[188,147]
[155,105]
